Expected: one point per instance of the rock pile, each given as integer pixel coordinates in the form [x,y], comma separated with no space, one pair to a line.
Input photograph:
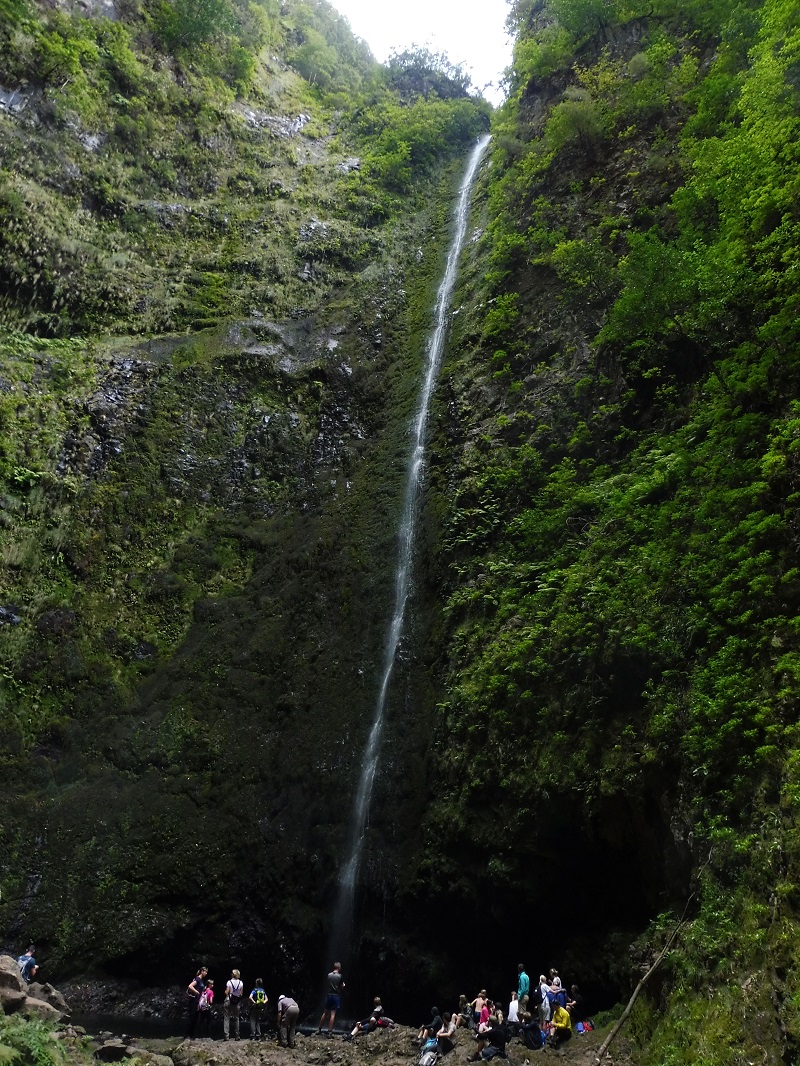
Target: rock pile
[34,1000]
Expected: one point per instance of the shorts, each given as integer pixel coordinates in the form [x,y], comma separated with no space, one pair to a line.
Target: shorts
[333,1001]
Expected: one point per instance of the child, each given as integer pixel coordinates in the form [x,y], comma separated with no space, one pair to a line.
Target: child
[204,1005]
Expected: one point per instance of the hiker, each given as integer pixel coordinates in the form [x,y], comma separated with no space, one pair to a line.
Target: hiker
[464,1013]
[477,1005]
[234,991]
[444,1037]
[491,1043]
[288,1014]
[483,1020]
[194,991]
[429,1030]
[27,965]
[544,1001]
[513,1014]
[204,1005]
[531,1032]
[561,1029]
[575,1005]
[258,1005]
[523,981]
[370,1023]
[333,999]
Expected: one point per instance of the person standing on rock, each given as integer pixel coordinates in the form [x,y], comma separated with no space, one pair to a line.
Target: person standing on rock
[194,991]
[523,982]
[288,1014]
[204,1007]
[333,999]
[258,1004]
[234,990]
[27,965]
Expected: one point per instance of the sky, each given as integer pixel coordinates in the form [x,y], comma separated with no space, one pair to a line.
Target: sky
[471,32]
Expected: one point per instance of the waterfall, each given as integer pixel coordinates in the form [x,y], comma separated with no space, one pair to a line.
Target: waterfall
[342,931]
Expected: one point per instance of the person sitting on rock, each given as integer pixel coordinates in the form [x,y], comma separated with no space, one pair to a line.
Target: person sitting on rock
[575,1005]
[492,1042]
[531,1032]
[370,1023]
[27,965]
[561,1029]
[431,1028]
[444,1037]
[464,1013]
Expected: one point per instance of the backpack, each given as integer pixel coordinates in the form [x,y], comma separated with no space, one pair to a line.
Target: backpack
[260,996]
[428,1058]
[25,962]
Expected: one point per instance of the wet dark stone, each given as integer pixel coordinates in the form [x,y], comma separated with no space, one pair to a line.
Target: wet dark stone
[57,622]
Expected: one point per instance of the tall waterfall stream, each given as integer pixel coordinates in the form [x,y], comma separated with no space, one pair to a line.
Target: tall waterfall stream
[342,931]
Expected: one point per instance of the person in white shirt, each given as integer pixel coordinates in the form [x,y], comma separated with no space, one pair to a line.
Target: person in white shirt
[234,990]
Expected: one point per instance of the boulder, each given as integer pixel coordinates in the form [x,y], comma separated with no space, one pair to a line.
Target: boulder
[12,987]
[10,977]
[149,1058]
[38,1008]
[49,995]
[112,1051]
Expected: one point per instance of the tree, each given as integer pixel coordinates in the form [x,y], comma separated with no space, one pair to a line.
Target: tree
[420,72]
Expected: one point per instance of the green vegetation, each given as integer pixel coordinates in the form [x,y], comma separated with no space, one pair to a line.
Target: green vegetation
[196,530]
[617,527]
[31,1043]
[221,225]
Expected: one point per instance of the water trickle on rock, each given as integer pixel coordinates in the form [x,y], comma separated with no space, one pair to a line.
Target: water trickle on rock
[341,940]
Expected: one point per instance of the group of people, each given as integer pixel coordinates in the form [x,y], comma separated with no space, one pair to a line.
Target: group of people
[200,994]
[540,1013]
[544,1013]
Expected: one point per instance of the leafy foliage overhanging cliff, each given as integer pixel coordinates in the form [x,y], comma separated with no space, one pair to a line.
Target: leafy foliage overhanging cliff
[617,490]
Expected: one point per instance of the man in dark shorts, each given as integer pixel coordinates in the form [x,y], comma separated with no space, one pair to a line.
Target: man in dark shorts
[333,999]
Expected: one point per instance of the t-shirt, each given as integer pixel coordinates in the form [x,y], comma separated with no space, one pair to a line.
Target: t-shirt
[335,981]
[513,1010]
[285,1002]
[255,994]
[235,988]
[524,986]
[27,964]
[532,1036]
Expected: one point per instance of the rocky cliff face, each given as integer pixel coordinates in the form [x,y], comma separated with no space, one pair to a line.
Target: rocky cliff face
[198,525]
[591,731]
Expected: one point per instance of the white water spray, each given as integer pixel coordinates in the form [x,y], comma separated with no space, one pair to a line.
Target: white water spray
[341,938]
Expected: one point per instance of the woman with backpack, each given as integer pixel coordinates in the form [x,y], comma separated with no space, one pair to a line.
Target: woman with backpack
[194,991]
[234,990]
